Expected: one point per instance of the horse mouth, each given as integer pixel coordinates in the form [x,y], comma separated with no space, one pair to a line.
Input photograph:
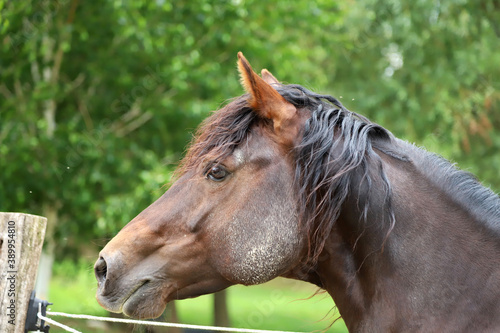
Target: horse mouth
[144,299]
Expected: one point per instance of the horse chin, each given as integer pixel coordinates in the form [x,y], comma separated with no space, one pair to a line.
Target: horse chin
[143,309]
[145,303]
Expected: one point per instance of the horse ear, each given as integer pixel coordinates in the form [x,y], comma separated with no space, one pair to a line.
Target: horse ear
[268,77]
[267,101]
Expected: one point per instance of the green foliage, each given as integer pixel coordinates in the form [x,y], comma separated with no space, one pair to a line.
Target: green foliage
[432,76]
[98,100]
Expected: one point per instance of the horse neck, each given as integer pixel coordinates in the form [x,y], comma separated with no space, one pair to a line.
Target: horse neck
[435,255]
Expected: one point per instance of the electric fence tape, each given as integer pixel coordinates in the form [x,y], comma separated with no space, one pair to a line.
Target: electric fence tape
[144,322]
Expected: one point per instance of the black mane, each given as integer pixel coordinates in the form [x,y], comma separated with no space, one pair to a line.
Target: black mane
[461,186]
[337,144]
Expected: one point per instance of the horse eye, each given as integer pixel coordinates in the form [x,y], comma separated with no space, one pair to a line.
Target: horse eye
[217,173]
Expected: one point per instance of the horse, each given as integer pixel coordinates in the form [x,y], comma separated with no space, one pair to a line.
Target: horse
[286,182]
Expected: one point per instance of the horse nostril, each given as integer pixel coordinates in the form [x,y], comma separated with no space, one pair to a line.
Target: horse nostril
[101,270]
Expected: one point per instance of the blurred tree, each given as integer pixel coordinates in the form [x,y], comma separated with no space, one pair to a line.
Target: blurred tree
[427,70]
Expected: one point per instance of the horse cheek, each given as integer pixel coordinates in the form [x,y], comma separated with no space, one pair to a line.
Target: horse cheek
[261,241]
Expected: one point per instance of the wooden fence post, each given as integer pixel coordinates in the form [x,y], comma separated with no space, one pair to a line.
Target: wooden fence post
[21,240]
[221,313]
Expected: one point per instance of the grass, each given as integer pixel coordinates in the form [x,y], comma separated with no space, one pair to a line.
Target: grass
[281,304]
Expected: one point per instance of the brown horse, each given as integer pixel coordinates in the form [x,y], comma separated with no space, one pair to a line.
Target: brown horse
[286,182]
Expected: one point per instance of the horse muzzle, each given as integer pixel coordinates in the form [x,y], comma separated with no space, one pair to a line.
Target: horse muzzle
[129,292]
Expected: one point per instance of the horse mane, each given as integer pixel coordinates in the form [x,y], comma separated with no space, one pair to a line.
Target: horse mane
[337,145]
[461,186]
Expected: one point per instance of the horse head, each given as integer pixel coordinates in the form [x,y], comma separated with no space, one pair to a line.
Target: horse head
[230,217]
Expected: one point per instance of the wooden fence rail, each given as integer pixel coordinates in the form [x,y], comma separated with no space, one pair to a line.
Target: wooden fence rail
[21,240]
